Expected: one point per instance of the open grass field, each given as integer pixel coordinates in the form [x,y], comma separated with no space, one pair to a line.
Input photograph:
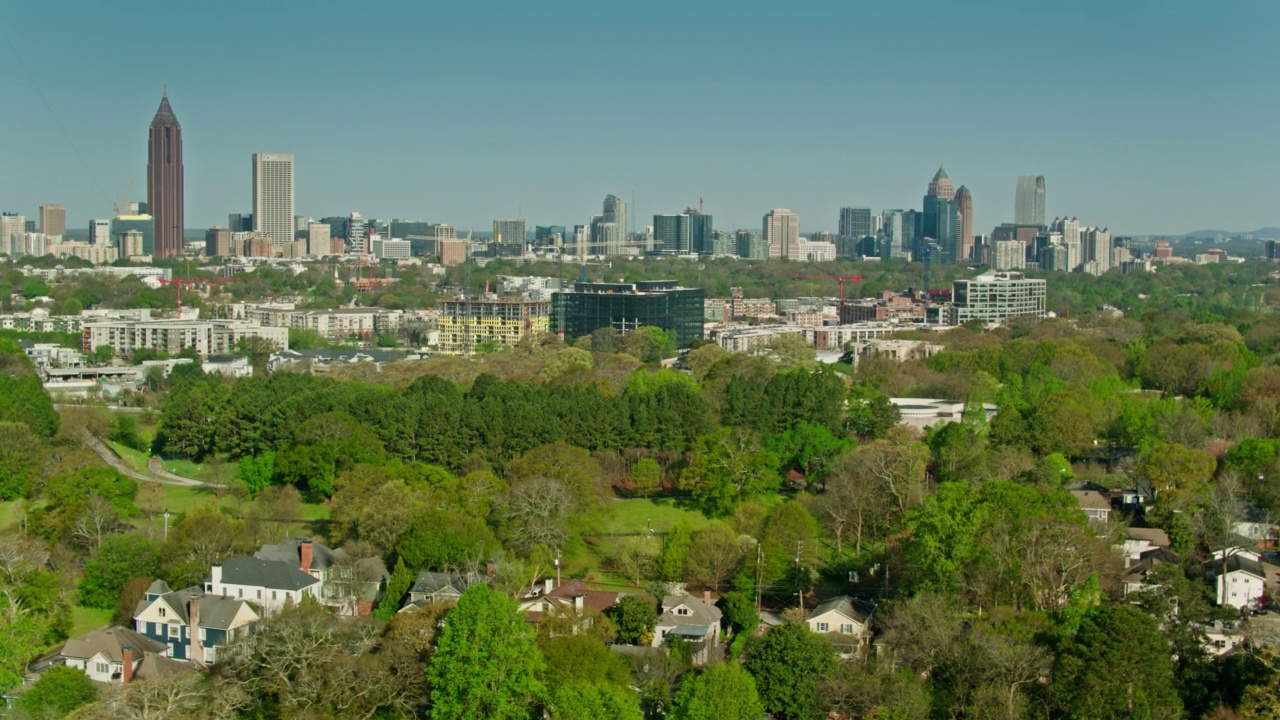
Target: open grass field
[205,472]
[84,619]
[135,458]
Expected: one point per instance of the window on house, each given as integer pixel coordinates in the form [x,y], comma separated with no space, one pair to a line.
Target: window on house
[240,592]
[162,612]
[846,629]
[823,627]
[682,611]
[175,631]
[273,594]
[101,668]
[259,593]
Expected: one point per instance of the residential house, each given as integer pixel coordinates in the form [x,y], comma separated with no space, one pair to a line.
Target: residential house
[1096,505]
[695,620]
[845,620]
[269,584]
[351,588]
[1240,580]
[1257,525]
[109,655]
[1140,540]
[192,624]
[1137,575]
[435,587]
[1222,637]
[572,598]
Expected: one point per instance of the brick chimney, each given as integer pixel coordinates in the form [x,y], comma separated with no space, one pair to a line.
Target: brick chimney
[549,585]
[195,651]
[304,552]
[126,665]
[706,597]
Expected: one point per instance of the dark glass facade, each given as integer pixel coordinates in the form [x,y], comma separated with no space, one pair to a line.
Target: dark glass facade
[164,181]
[627,306]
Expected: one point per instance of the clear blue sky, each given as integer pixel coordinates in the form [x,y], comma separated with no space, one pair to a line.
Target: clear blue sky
[1144,116]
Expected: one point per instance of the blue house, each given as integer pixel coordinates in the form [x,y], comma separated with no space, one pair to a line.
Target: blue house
[193,625]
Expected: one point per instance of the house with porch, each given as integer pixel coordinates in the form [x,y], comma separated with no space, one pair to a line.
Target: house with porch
[269,584]
[695,620]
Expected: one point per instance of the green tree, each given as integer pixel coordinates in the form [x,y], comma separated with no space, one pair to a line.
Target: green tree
[487,663]
[723,691]
[1171,467]
[675,550]
[577,700]
[740,610]
[582,657]
[635,618]
[788,663]
[59,690]
[441,540]
[256,473]
[1116,666]
[790,533]
[728,467]
[646,476]
[397,587]
[119,559]
[871,414]
[20,454]
[714,556]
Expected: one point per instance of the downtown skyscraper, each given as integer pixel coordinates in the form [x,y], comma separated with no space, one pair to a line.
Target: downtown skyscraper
[273,196]
[1029,201]
[164,180]
[964,215]
[782,233]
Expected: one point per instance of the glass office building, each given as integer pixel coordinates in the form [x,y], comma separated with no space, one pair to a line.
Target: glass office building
[628,306]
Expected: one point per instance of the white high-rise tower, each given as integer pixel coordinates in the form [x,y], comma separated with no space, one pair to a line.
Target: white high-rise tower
[273,196]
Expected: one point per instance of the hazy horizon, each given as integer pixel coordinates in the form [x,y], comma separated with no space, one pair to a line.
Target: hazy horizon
[1146,118]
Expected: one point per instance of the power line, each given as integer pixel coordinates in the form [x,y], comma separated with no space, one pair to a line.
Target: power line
[56,121]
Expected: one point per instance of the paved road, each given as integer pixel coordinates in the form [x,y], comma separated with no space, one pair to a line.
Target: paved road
[155,470]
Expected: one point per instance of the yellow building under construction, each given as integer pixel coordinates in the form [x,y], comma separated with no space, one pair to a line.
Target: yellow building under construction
[470,326]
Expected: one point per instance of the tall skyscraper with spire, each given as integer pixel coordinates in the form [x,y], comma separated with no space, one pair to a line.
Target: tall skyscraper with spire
[941,185]
[964,217]
[939,223]
[1029,201]
[164,180]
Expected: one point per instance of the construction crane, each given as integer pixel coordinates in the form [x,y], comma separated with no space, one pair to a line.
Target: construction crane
[841,278]
[177,284]
[124,198]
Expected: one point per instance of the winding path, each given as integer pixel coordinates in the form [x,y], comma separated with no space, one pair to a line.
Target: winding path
[155,469]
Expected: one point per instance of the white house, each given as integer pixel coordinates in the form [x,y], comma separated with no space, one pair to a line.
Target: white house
[1241,585]
[109,655]
[843,620]
[695,620]
[269,584]
[1140,540]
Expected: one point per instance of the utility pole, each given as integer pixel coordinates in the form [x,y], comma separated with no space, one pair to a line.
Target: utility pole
[166,526]
[799,583]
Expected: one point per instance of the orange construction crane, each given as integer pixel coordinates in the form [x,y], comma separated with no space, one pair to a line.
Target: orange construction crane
[841,278]
[178,282]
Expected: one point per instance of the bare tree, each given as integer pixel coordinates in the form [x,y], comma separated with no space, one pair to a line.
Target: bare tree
[897,468]
[714,556]
[537,511]
[849,502]
[96,519]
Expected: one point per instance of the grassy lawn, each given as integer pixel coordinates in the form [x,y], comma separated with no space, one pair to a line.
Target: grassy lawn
[202,471]
[135,458]
[84,619]
[638,515]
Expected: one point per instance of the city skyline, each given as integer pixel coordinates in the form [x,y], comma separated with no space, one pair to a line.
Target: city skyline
[1114,132]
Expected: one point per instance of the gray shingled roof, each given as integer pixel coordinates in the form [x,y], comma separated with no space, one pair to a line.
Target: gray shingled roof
[846,606]
[216,612]
[289,552]
[431,583]
[271,574]
[700,612]
[1245,564]
[110,642]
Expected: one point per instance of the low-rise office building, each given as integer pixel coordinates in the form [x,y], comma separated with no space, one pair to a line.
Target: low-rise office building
[626,307]
[992,297]
[207,337]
